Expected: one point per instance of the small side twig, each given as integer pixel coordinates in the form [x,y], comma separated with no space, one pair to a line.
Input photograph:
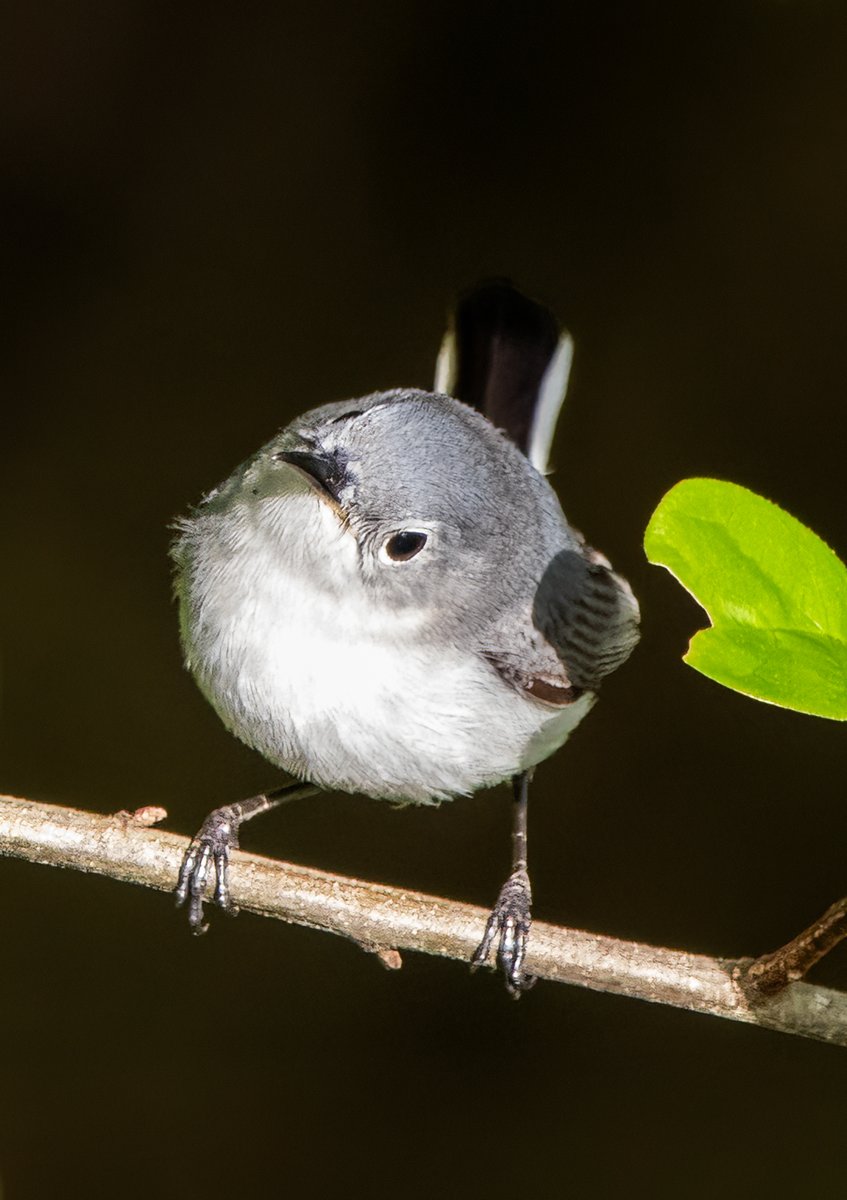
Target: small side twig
[385,920]
[773,972]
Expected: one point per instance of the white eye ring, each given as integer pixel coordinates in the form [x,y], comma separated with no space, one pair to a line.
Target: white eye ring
[403,545]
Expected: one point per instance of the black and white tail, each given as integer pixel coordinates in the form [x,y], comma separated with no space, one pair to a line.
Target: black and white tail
[507,356]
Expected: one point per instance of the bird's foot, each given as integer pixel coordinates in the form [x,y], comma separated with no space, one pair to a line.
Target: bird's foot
[217,836]
[510,918]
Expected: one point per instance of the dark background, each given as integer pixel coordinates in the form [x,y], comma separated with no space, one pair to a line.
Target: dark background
[215,217]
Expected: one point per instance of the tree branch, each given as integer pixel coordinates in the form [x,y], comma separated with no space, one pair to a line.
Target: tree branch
[384,920]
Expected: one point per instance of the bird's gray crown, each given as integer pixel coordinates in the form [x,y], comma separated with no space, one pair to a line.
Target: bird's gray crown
[405,454]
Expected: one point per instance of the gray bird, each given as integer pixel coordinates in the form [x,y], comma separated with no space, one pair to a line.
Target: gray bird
[387,598]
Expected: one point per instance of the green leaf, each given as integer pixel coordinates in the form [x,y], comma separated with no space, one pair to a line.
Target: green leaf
[775,593]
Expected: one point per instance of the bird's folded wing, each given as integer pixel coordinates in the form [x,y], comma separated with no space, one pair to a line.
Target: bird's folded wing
[583,624]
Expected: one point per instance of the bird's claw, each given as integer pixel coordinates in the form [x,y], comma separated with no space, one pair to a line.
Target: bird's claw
[511,919]
[211,846]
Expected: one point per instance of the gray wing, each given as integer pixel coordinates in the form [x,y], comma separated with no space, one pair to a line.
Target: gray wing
[587,614]
[582,626]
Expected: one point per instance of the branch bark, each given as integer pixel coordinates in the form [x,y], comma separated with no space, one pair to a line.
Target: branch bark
[385,920]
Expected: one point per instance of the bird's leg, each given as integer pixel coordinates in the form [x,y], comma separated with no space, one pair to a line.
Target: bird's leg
[211,846]
[511,916]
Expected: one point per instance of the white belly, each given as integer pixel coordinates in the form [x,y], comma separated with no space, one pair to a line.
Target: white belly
[331,689]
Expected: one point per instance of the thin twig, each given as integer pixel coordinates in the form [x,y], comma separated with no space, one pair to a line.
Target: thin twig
[772,972]
[385,920]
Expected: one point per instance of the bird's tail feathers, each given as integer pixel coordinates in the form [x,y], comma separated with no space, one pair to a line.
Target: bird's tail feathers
[506,355]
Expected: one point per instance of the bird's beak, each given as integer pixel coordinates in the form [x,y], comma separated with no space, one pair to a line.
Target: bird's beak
[324,471]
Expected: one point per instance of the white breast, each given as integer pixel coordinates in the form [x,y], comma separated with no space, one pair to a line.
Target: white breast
[301,665]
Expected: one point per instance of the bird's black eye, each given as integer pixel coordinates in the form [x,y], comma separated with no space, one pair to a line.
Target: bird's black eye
[402,546]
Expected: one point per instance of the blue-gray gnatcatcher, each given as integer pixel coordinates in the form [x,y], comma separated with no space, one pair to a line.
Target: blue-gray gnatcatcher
[387,598]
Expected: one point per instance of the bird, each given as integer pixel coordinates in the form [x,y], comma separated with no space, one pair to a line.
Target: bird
[387,598]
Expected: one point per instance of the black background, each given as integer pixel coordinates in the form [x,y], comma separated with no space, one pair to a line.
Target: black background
[214,217]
